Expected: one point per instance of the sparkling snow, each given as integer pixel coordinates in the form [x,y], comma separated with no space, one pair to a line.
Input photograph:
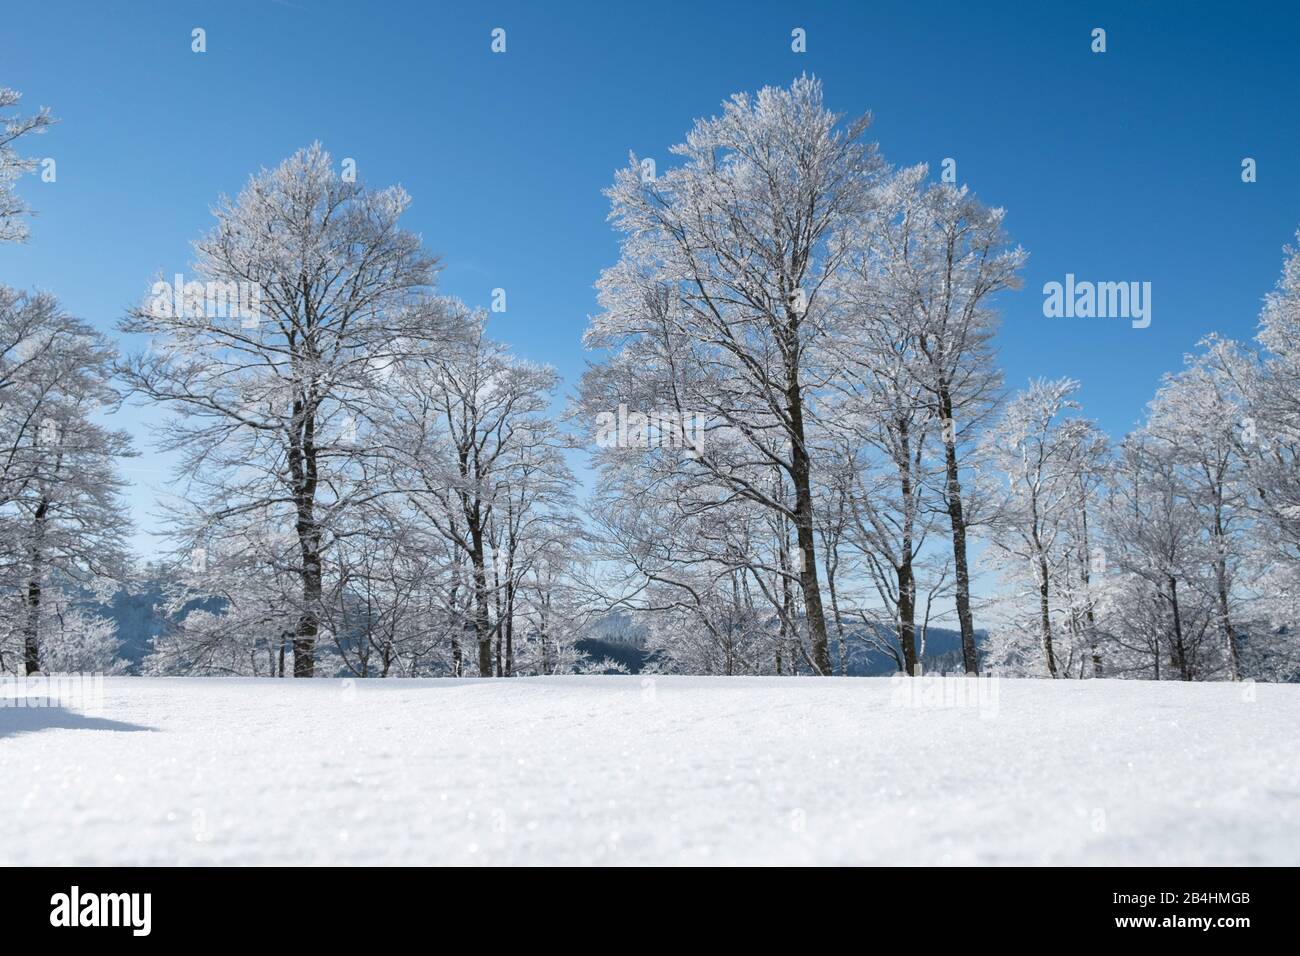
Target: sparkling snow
[655,770]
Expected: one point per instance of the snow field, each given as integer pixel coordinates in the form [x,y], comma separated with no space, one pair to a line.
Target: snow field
[664,770]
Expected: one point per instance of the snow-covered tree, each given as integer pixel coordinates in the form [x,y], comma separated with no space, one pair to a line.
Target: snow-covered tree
[63,525]
[535,532]
[272,402]
[12,165]
[1199,415]
[1044,457]
[1154,543]
[883,416]
[949,256]
[74,638]
[472,451]
[1271,434]
[716,306]
[711,581]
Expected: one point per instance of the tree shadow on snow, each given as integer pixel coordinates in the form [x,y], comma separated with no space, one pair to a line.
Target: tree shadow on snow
[25,720]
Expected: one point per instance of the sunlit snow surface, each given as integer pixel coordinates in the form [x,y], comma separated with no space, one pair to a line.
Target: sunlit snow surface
[631,770]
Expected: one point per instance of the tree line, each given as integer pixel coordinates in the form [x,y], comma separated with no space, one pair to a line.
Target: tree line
[370,485]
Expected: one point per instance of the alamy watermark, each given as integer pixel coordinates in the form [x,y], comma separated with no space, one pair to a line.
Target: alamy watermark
[212,300]
[655,429]
[946,692]
[1103,300]
[80,692]
[74,908]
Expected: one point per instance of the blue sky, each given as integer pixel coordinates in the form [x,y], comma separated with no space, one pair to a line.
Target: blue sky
[1116,166]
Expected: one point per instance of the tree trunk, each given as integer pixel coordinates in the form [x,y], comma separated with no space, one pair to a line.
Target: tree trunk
[1221,582]
[496,599]
[541,631]
[957,518]
[36,574]
[302,469]
[839,622]
[304,639]
[1181,659]
[907,613]
[1085,574]
[510,636]
[801,477]
[457,657]
[1225,623]
[738,620]
[508,624]
[904,571]
[482,614]
[783,636]
[1045,614]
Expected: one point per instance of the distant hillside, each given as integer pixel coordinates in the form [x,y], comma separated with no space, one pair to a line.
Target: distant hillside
[942,652]
[629,655]
[138,616]
[622,641]
[138,620]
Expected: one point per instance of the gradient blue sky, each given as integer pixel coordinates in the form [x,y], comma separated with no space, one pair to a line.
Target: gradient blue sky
[1116,166]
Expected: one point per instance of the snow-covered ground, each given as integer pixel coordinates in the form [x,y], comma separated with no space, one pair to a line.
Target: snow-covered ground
[663,770]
